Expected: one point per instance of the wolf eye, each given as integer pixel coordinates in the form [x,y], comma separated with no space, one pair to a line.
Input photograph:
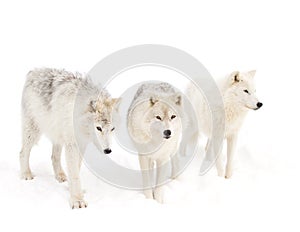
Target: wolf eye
[246,91]
[113,129]
[158,117]
[99,128]
[173,116]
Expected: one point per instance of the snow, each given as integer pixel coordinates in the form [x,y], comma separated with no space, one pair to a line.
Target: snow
[258,197]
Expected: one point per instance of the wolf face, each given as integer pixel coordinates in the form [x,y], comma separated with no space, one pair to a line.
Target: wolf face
[242,90]
[102,113]
[163,117]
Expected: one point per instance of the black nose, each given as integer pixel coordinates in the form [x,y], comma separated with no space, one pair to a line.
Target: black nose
[167,133]
[259,104]
[107,151]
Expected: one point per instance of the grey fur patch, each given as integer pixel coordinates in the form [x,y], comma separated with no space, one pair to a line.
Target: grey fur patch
[46,82]
[150,89]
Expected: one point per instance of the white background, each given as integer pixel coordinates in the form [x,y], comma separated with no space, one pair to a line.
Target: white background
[263,194]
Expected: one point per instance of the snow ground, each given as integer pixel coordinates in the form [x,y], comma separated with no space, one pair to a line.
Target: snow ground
[258,197]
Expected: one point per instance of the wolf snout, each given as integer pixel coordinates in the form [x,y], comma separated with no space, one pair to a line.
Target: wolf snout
[167,134]
[259,104]
[107,151]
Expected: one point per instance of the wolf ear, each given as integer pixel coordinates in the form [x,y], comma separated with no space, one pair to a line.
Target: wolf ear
[235,76]
[178,100]
[92,106]
[252,73]
[153,101]
[115,102]
[112,102]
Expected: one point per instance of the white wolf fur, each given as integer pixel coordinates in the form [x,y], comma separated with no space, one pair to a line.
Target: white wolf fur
[47,107]
[239,95]
[154,125]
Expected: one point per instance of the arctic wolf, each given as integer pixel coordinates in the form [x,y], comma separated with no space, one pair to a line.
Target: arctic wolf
[154,125]
[48,108]
[239,96]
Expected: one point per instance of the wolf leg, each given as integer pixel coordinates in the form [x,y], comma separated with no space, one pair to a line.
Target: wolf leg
[161,178]
[175,166]
[231,145]
[207,143]
[146,169]
[186,141]
[56,162]
[219,166]
[72,160]
[31,135]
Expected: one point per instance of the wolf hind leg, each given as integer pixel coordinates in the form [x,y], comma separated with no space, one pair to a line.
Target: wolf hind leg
[56,162]
[192,139]
[31,135]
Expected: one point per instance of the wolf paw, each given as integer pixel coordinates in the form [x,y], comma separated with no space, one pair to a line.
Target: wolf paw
[221,173]
[228,174]
[61,177]
[77,204]
[148,193]
[27,176]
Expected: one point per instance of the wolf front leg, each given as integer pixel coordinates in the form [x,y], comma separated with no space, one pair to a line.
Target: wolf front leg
[219,165]
[175,166]
[231,146]
[72,161]
[146,170]
[161,178]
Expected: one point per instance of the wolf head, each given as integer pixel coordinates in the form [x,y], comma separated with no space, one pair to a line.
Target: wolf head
[102,110]
[164,117]
[241,90]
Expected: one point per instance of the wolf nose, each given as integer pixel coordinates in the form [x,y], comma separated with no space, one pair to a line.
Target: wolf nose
[107,151]
[167,133]
[259,104]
